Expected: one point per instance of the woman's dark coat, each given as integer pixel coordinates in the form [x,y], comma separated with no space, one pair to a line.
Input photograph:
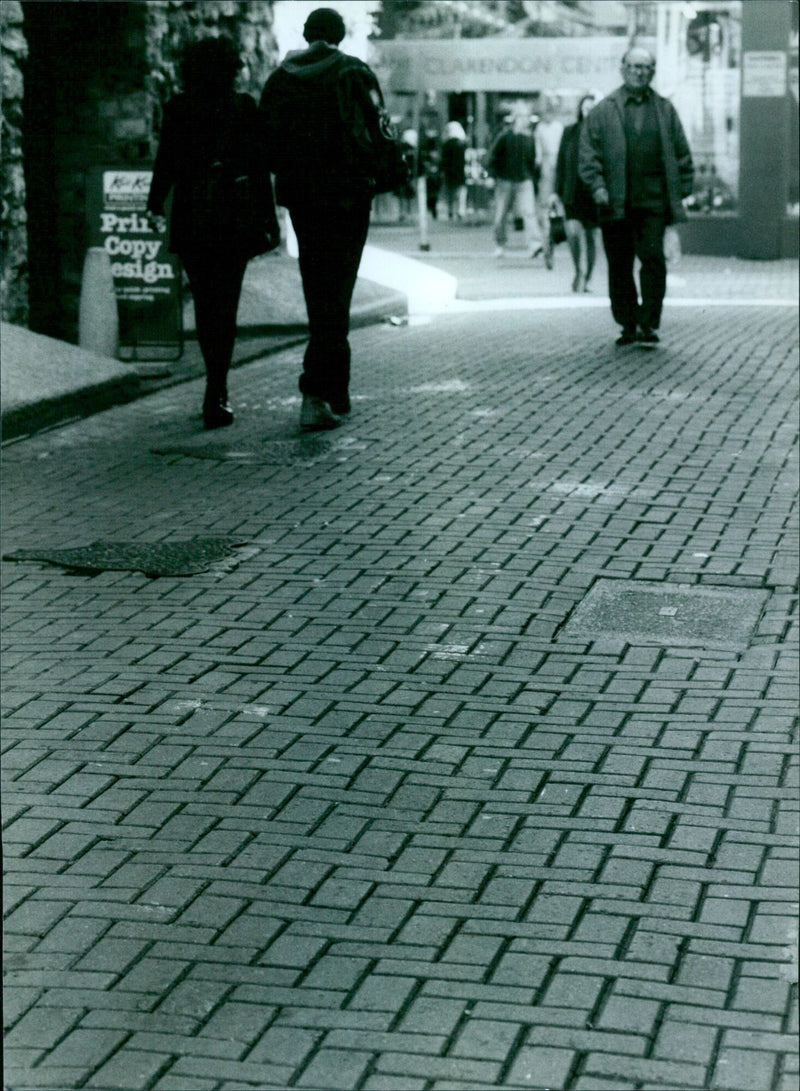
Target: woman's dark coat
[454,155]
[195,133]
[576,198]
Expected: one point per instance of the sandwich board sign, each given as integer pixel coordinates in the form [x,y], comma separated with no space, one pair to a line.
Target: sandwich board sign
[147,279]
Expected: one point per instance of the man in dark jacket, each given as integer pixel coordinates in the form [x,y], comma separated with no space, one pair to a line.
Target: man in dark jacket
[636,163]
[311,106]
[512,163]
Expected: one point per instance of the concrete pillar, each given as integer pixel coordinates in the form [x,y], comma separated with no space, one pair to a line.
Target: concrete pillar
[765,121]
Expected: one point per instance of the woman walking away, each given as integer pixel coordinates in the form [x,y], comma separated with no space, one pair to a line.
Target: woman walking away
[576,203]
[211,157]
[454,151]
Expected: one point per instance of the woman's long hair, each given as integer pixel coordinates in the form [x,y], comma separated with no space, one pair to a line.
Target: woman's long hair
[208,68]
[590,96]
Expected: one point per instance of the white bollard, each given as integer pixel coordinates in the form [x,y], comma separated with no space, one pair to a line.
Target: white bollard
[98,318]
[422,212]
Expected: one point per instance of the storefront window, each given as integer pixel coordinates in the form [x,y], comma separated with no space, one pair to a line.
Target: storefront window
[794,174]
[544,69]
[699,69]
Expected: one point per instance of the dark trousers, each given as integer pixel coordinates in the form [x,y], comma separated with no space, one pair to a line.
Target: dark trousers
[640,235]
[216,282]
[330,240]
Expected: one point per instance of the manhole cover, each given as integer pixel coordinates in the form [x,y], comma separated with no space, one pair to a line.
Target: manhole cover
[663,613]
[179,558]
[276,452]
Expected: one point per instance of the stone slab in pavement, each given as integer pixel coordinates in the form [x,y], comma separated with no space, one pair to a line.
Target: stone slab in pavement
[356,810]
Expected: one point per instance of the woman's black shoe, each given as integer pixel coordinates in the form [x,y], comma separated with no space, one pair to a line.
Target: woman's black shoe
[216,414]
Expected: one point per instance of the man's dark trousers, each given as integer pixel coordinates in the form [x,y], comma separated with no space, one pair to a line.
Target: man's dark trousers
[640,235]
[330,239]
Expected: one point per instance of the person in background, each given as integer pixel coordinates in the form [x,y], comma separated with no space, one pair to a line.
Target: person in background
[512,162]
[406,195]
[311,106]
[454,151]
[575,202]
[547,136]
[635,160]
[430,161]
[211,134]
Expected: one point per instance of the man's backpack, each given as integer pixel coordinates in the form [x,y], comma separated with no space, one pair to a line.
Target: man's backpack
[375,146]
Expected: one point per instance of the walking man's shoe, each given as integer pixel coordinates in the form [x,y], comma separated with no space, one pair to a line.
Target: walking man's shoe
[647,336]
[340,406]
[316,415]
[627,337]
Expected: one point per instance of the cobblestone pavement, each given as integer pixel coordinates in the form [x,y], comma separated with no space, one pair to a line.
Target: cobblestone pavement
[381,803]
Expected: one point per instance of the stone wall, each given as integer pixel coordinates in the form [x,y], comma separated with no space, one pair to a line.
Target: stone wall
[13,235]
[173,23]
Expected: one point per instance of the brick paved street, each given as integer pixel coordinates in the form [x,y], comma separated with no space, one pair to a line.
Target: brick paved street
[377,804]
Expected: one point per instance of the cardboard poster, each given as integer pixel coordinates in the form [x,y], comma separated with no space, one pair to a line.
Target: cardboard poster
[147,279]
[764,73]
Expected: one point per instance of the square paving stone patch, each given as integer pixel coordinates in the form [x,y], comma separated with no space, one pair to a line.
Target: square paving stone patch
[667,614]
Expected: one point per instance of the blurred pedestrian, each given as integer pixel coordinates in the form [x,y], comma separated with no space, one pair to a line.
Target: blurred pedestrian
[311,105]
[512,162]
[635,160]
[575,202]
[430,158]
[211,158]
[547,137]
[406,194]
[454,153]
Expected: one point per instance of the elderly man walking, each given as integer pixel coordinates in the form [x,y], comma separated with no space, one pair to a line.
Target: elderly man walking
[636,163]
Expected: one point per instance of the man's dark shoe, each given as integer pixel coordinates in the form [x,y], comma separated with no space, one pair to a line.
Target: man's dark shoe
[647,336]
[316,415]
[627,337]
[340,406]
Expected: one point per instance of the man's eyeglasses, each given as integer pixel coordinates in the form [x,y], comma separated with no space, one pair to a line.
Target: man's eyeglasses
[640,67]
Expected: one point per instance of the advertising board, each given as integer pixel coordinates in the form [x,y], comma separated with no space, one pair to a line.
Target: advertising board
[147,279]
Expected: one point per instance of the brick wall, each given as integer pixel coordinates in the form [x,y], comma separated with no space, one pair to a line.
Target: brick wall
[14,243]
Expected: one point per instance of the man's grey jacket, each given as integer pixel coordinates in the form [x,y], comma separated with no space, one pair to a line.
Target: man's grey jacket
[602,154]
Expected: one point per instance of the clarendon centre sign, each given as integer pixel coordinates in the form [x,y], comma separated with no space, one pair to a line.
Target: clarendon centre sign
[500,64]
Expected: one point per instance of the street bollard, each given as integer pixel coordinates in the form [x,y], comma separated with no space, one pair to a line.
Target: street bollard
[422,211]
[98,318]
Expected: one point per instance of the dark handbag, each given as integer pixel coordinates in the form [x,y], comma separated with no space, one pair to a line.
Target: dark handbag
[558,229]
[255,223]
[232,212]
